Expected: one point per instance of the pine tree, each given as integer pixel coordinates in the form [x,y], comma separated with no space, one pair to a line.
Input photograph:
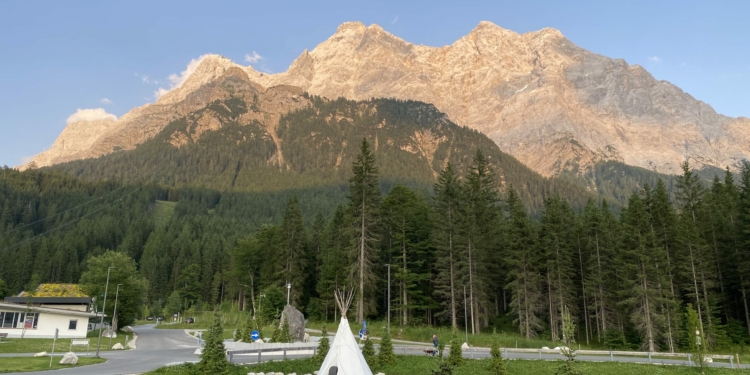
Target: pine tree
[455,357]
[284,335]
[364,199]
[497,364]
[404,215]
[522,261]
[446,202]
[386,355]
[247,329]
[479,217]
[213,359]
[368,351]
[696,258]
[640,262]
[742,230]
[569,367]
[333,259]
[292,260]
[323,346]
[556,244]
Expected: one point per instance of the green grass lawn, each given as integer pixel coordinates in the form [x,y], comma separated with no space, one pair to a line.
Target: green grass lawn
[409,365]
[28,345]
[26,364]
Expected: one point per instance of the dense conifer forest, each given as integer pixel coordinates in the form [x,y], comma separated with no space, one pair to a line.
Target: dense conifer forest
[205,226]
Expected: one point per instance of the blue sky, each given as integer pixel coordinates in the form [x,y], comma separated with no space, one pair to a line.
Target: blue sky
[59,56]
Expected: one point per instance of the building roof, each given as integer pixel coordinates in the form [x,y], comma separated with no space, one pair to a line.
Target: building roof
[48,310]
[50,300]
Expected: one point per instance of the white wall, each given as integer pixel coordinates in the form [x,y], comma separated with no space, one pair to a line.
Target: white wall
[46,325]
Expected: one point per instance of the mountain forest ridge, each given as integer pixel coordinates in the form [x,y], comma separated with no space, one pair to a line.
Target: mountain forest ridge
[553,105]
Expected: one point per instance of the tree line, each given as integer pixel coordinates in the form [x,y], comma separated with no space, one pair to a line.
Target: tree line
[628,280]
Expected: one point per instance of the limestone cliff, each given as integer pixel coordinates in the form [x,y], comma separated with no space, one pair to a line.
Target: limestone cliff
[548,102]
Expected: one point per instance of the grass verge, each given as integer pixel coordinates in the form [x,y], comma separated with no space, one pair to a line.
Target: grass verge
[27,364]
[29,345]
[410,365]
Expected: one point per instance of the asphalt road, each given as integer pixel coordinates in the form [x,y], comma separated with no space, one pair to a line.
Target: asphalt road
[155,348]
[158,347]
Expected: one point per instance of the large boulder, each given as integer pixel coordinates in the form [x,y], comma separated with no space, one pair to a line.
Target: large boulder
[40,354]
[109,333]
[69,358]
[117,346]
[296,322]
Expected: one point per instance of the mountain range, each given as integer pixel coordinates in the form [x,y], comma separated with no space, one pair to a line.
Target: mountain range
[554,106]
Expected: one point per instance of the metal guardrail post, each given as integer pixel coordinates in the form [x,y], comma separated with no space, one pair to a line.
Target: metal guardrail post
[471,349]
[731,361]
[231,357]
[611,356]
[259,351]
[540,353]
[690,359]
[649,357]
[284,353]
[505,353]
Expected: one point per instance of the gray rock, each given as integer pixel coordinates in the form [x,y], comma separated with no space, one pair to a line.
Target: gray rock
[109,333]
[117,346]
[69,358]
[296,322]
[41,354]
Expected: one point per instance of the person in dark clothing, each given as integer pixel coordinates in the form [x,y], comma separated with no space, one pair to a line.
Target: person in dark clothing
[435,344]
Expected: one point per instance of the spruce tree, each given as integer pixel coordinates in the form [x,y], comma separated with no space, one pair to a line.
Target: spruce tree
[522,261]
[213,358]
[386,355]
[405,218]
[323,346]
[696,265]
[446,201]
[742,230]
[364,200]
[333,260]
[293,262]
[556,243]
[247,329]
[455,357]
[284,335]
[368,351]
[479,221]
[497,364]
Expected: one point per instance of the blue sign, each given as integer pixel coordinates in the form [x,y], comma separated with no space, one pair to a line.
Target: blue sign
[364,324]
[255,335]
[361,333]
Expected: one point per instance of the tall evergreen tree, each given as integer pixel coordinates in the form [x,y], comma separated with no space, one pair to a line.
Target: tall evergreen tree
[405,217]
[364,200]
[556,244]
[742,230]
[334,259]
[293,261]
[480,215]
[522,261]
[697,264]
[446,202]
[213,358]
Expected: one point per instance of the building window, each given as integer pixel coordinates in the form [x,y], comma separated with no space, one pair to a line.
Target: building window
[72,325]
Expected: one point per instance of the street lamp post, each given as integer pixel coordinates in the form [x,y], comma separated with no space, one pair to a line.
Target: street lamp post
[114,315]
[104,305]
[389,297]
[466,321]
[288,290]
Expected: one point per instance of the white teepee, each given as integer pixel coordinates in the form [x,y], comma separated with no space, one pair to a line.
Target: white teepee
[344,352]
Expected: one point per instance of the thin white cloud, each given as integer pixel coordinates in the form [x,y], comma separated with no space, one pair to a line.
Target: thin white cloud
[654,59]
[394,21]
[253,58]
[177,80]
[106,101]
[92,114]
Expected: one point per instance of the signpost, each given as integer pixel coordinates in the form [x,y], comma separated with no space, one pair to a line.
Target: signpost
[361,333]
[255,335]
[57,330]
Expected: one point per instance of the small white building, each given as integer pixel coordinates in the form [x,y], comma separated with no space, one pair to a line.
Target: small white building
[40,322]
